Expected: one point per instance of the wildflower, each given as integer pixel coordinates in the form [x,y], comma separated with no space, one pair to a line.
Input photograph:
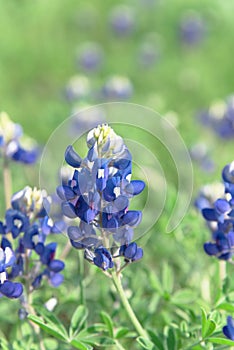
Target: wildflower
[98,194]
[90,56]
[131,252]
[220,217]
[28,224]
[220,118]
[78,88]
[8,288]
[117,88]
[192,28]
[228,330]
[13,144]
[122,20]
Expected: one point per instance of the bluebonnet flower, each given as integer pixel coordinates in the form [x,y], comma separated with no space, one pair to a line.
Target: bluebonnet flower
[8,288]
[131,252]
[228,330]
[78,88]
[117,88]
[90,56]
[85,117]
[98,194]
[208,194]
[220,118]
[122,20]
[25,229]
[199,153]
[13,144]
[192,28]
[220,217]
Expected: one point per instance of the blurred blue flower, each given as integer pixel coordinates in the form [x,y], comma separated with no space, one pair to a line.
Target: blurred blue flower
[117,88]
[78,88]
[90,56]
[220,118]
[228,330]
[192,28]
[13,144]
[122,20]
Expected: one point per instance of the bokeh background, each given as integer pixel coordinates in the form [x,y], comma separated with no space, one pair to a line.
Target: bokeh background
[175,57]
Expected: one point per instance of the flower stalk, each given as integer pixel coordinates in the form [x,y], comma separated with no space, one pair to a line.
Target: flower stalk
[116,278]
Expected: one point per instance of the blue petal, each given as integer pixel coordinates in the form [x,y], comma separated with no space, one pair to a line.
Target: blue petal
[56,279]
[222,206]
[209,214]
[68,210]
[211,249]
[130,251]
[135,187]
[72,158]
[74,233]
[138,255]
[56,265]
[132,218]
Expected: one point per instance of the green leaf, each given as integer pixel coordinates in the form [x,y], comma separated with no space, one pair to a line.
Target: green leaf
[183,296]
[96,328]
[167,278]
[4,345]
[145,343]
[204,322]
[51,319]
[226,307]
[155,283]
[79,345]
[222,341]
[121,332]
[208,326]
[211,326]
[171,340]
[108,322]
[78,319]
[155,339]
[48,328]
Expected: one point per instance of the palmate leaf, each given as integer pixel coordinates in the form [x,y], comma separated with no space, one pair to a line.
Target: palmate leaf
[50,319]
[80,345]
[208,326]
[78,318]
[48,328]
[108,322]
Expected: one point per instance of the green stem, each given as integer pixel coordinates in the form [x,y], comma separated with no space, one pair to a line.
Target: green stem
[81,277]
[222,272]
[7,183]
[118,285]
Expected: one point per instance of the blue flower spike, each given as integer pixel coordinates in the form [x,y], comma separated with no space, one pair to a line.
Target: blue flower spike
[28,225]
[220,218]
[98,196]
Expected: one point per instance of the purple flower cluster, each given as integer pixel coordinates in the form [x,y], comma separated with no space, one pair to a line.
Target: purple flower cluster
[220,118]
[98,195]
[221,219]
[13,145]
[23,244]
